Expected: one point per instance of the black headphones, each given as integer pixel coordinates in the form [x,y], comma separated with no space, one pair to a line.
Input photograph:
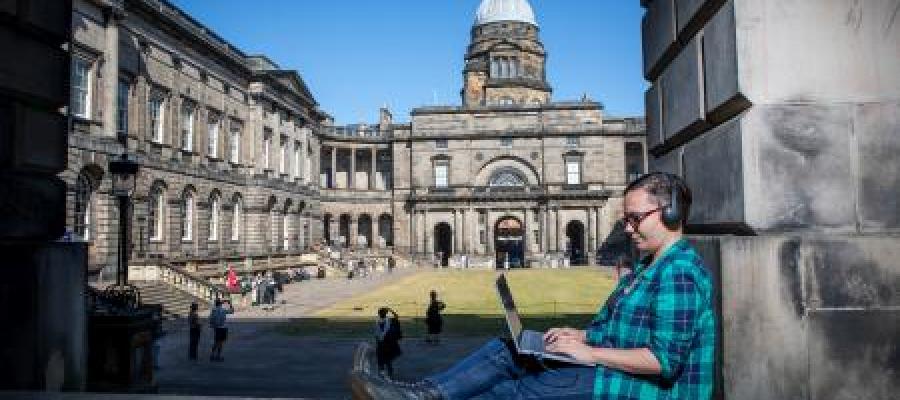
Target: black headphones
[671,213]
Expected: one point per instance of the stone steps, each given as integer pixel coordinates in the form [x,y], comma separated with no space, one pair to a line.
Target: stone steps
[175,302]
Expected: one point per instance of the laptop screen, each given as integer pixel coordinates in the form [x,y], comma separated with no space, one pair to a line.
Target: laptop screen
[509,307]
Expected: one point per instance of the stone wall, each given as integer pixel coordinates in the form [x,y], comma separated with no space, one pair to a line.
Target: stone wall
[783,117]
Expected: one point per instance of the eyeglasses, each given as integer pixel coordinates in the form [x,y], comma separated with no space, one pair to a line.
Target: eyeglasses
[635,218]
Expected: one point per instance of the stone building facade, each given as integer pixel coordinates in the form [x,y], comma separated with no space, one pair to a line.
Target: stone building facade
[509,176]
[227,142]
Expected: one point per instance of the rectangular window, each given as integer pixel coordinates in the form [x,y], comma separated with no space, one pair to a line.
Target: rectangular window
[441,144]
[81,88]
[235,142]
[481,237]
[156,117]
[572,141]
[506,142]
[441,175]
[267,144]
[187,127]
[573,172]
[212,130]
[122,91]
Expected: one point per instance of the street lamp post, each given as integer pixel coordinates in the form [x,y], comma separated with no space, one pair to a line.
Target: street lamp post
[124,182]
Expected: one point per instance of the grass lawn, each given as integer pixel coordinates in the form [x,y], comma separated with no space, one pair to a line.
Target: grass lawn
[545,298]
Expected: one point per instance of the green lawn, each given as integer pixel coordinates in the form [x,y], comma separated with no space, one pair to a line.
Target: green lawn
[545,298]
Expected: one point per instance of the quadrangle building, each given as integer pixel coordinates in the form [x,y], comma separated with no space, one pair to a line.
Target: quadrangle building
[241,167]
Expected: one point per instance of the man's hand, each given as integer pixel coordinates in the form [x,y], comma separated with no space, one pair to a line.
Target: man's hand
[573,347]
[556,334]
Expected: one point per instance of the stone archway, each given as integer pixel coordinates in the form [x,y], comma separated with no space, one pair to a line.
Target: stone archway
[509,242]
[443,242]
[364,227]
[575,243]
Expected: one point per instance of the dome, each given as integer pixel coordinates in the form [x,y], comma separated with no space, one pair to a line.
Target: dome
[504,10]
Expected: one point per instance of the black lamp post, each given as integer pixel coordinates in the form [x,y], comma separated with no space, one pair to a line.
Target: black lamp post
[124,181]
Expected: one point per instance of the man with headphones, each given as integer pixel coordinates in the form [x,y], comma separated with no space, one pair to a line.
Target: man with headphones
[654,338]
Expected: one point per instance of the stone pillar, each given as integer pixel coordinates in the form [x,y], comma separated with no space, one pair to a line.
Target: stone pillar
[376,232]
[556,238]
[333,167]
[413,232]
[526,228]
[353,232]
[425,233]
[794,210]
[590,248]
[488,233]
[464,233]
[373,169]
[544,231]
[351,178]
[110,72]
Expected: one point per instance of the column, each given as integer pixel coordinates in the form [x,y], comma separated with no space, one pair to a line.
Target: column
[351,177]
[426,236]
[373,169]
[529,234]
[556,245]
[455,246]
[413,240]
[376,232]
[354,232]
[488,233]
[333,168]
[589,251]
[110,72]
[544,230]
[462,227]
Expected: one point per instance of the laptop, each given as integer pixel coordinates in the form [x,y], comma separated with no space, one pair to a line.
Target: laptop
[526,341]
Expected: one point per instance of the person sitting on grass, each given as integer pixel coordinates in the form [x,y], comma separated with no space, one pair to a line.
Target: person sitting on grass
[654,338]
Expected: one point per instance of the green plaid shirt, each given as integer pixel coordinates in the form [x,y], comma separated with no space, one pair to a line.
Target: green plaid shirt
[665,307]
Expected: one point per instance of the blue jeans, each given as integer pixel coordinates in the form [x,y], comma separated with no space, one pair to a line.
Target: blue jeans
[492,373]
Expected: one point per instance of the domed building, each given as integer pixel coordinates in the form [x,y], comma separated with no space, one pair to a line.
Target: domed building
[511,177]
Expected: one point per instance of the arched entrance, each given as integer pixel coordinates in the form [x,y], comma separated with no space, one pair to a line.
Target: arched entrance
[575,243]
[327,220]
[365,230]
[509,242]
[443,242]
[343,238]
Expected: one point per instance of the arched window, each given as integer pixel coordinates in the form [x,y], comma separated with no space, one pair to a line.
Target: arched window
[214,207]
[155,214]
[507,178]
[83,208]
[237,215]
[187,215]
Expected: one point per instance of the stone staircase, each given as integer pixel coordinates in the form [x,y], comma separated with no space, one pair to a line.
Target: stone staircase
[175,303]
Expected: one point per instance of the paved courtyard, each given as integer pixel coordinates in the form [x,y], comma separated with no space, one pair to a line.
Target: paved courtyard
[261,361]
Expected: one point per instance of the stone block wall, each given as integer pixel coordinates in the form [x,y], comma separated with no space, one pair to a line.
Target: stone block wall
[784,119]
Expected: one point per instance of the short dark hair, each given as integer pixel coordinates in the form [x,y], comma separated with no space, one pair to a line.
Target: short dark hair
[218,302]
[660,185]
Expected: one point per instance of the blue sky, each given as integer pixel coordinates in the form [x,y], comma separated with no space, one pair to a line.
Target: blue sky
[358,55]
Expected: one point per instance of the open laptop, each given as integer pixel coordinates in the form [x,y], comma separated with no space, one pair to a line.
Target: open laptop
[526,341]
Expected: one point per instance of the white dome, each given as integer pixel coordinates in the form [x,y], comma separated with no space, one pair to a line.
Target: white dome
[504,10]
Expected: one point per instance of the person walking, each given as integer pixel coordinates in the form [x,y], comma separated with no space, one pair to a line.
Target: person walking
[217,317]
[194,328]
[434,321]
[387,340]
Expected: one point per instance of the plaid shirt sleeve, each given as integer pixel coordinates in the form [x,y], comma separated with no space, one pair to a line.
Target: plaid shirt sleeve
[680,301]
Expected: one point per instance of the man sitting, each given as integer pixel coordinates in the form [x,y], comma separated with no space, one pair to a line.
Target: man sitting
[654,338]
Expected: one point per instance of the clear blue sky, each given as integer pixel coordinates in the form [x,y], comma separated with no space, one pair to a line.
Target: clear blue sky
[357,55]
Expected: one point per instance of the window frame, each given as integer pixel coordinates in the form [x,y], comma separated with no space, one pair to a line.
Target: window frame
[237,215]
[214,217]
[155,217]
[187,216]
[122,105]
[577,162]
[156,107]
[82,86]
[441,165]
[213,130]
[235,129]
[188,116]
